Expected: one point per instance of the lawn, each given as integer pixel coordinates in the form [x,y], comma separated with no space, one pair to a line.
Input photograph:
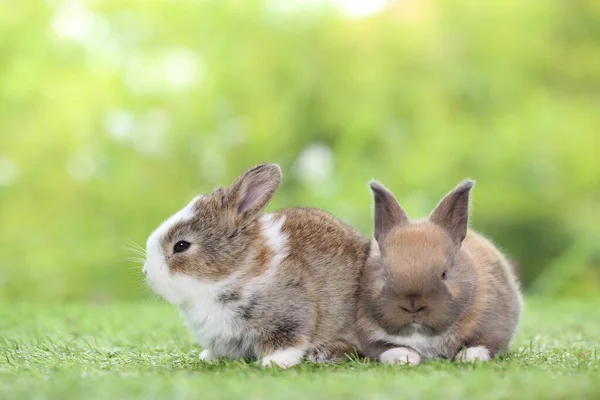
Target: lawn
[129,350]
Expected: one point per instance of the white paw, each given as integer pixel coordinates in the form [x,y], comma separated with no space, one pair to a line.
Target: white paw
[208,355]
[400,355]
[471,354]
[284,358]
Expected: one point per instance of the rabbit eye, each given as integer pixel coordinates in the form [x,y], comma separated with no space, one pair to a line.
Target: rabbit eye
[181,246]
[444,275]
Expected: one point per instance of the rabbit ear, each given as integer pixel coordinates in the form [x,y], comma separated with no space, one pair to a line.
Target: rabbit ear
[452,212]
[252,191]
[388,213]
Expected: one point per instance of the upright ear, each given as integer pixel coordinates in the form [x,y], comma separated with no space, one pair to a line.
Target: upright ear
[452,212]
[388,212]
[252,191]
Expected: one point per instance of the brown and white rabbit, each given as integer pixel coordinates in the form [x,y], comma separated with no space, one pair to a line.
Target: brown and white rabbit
[434,288]
[277,287]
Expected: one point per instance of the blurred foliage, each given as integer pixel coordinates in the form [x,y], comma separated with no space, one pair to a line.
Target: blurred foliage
[113,114]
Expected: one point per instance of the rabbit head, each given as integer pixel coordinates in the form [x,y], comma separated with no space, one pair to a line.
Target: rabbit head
[211,237]
[423,282]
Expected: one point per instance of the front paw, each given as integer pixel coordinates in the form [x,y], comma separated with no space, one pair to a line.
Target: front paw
[208,355]
[285,358]
[471,354]
[400,355]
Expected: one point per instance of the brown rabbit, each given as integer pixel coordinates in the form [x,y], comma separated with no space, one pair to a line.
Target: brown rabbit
[434,288]
[277,287]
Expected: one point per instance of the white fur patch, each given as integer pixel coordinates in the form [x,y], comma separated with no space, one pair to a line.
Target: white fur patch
[374,251]
[284,358]
[400,355]
[208,355]
[208,318]
[276,239]
[471,354]
[427,346]
[155,267]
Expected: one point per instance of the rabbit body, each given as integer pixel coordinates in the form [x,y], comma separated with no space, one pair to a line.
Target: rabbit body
[277,287]
[433,288]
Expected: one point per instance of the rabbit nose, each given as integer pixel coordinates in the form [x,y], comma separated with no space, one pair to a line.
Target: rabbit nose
[413,305]
[145,271]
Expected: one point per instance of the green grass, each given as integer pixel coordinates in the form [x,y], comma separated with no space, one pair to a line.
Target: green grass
[120,351]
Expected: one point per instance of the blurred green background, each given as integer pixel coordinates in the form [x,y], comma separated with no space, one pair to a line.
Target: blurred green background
[113,114]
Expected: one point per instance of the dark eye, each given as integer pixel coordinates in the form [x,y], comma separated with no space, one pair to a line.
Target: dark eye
[444,275]
[181,246]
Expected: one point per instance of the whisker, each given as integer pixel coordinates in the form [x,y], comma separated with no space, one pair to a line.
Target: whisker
[134,244]
[146,289]
[141,282]
[140,260]
[134,247]
[136,251]
[134,257]
[142,256]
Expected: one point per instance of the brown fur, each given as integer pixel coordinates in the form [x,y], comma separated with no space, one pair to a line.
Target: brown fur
[310,300]
[326,257]
[451,281]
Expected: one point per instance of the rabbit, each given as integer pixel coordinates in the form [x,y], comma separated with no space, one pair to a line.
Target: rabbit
[278,288]
[434,288]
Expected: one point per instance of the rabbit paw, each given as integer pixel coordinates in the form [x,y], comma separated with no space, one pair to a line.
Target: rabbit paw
[400,355]
[471,354]
[284,358]
[207,355]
